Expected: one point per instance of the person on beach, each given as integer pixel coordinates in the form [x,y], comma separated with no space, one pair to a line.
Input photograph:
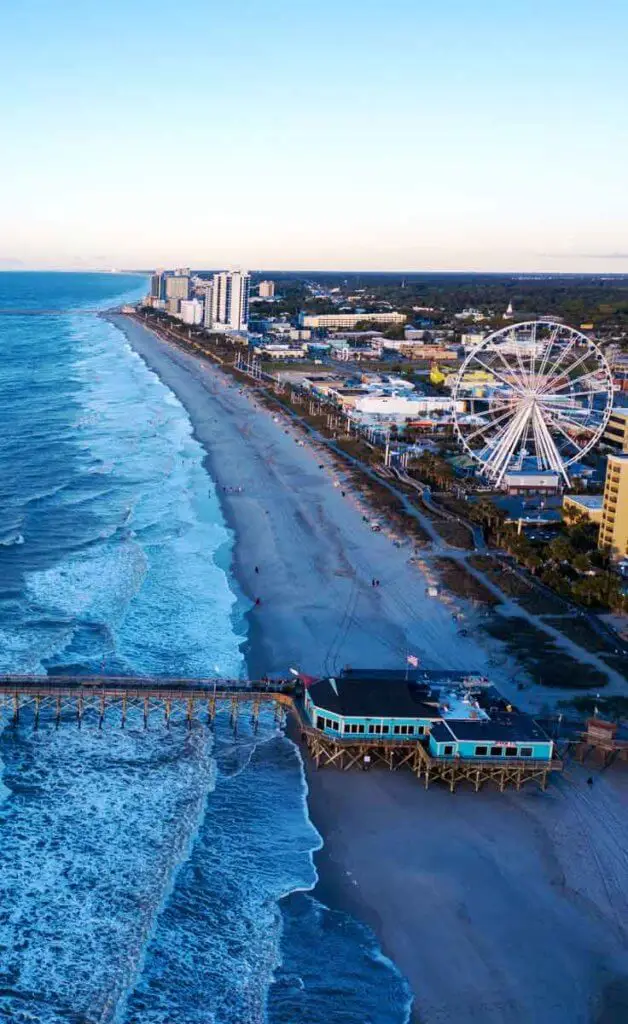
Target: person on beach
[257,569]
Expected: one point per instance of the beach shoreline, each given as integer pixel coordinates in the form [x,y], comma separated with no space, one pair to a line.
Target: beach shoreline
[451,885]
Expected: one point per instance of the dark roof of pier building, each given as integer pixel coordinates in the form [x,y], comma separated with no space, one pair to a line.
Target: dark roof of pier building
[374,697]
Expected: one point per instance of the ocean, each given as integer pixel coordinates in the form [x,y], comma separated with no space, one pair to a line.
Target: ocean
[158,876]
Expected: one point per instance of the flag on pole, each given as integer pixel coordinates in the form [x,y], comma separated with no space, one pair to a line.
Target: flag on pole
[413,660]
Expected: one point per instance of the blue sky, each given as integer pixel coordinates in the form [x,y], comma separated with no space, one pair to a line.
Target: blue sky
[397,134]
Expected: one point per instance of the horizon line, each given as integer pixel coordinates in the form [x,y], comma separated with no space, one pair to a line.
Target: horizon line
[113,272]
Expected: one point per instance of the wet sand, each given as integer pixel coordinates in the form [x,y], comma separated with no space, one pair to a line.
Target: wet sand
[497,907]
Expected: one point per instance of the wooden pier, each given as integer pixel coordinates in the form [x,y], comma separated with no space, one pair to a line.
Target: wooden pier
[96,699]
[77,697]
[333,751]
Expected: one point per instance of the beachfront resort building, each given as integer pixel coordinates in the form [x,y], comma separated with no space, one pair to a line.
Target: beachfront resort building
[613,535]
[177,286]
[266,289]
[339,321]
[446,725]
[230,300]
[191,311]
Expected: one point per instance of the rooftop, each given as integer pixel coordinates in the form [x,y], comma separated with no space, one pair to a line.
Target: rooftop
[373,698]
[587,500]
[501,728]
[391,694]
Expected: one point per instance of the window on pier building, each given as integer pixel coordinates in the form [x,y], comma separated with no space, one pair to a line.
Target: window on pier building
[525,752]
[449,750]
[481,751]
[320,722]
[496,751]
[511,751]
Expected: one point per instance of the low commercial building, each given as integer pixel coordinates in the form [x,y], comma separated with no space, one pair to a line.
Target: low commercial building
[419,350]
[336,321]
[450,726]
[616,433]
[473,382]
[589,505]
[613,535]
[404,406]
[288,352]
[530,482]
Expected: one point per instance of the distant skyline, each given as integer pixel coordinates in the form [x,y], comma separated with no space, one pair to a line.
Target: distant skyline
[405,136]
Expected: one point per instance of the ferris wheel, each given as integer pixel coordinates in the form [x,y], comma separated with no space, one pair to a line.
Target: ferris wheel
[532,397]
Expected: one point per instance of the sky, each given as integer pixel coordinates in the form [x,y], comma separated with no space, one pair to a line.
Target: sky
[315,134]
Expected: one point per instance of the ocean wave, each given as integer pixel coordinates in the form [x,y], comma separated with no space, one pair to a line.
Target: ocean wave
[15,538]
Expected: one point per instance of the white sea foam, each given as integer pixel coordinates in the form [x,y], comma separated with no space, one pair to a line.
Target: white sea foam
[91,839]
[14,538]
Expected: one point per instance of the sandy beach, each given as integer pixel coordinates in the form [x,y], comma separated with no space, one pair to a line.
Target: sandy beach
[497,907]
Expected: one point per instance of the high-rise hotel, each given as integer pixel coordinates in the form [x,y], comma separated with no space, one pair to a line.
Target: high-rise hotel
[230,300]
[614,526]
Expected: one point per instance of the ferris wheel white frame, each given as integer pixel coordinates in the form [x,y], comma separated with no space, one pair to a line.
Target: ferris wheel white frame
[532,394]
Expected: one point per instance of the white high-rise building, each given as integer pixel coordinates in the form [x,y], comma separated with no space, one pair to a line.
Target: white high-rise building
[230,300]
[191,311]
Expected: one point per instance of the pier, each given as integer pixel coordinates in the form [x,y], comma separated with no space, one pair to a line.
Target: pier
[98,699]
[73,697]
